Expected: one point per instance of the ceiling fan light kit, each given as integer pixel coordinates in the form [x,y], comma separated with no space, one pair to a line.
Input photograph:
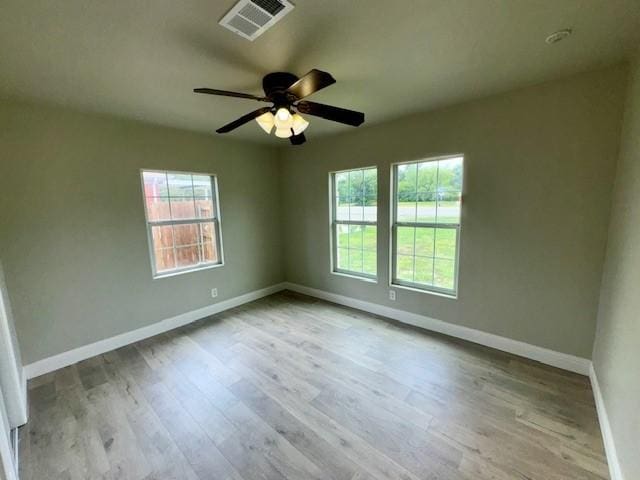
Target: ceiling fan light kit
[286,92]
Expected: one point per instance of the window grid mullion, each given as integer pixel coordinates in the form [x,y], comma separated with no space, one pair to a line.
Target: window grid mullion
[184,221]
[435,230]
[173,238]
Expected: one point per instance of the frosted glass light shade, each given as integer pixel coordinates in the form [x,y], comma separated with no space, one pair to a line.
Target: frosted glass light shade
[283,132]
[266,121]
[283,119]
[299,124]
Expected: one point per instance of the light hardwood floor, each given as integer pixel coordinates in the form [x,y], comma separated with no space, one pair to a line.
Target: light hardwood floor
[289,387]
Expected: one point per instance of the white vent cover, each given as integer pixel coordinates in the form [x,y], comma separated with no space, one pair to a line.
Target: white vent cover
[251,18]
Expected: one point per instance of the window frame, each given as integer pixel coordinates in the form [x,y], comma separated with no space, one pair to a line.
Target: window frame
[394,224]
[216,220]
[334,222]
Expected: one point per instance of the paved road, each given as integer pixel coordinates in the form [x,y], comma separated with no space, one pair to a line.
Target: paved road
[405,213]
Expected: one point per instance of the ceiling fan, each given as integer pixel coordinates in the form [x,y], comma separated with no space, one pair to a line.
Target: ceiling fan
[286,92]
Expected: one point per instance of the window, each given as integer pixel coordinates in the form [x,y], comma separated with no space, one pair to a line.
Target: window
[426,224]
[354,222]
[183,221]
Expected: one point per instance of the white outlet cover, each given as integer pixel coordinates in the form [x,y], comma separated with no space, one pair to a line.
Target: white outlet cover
[392,294]
[214,292]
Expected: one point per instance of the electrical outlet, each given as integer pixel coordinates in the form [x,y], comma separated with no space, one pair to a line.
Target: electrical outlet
[214,292]
[392,295]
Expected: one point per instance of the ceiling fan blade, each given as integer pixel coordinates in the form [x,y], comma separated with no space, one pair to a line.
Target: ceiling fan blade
[336,114]
[312,82]
[297,139]
[225,93]
[242,120]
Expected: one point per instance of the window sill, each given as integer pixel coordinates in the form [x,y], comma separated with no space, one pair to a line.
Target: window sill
[355,277]
[174,273]
[450,296]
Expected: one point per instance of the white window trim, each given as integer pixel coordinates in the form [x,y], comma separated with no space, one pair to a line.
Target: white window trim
[333,223]
[217,221]
[410,286]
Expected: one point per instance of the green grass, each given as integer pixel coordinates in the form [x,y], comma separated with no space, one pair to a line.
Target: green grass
[434,251]
[357,247]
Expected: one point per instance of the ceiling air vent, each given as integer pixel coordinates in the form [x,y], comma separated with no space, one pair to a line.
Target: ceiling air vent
[251,18]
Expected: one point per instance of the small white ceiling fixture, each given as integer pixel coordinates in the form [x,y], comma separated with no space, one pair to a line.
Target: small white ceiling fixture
[251,18]
[555,37]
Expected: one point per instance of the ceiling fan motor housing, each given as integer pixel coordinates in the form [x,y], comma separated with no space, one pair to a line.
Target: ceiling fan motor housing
[275,86]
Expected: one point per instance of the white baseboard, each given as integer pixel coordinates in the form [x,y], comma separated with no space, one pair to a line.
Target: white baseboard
[70,357]
[533,352]
[540,354]
[605,428]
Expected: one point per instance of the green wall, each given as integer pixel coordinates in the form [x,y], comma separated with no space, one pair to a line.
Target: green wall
[539,168]
[616,356]
[72,228]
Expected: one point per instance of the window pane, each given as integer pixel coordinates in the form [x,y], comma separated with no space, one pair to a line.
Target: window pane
[355,260]
[187,256]
[370,238]
[404,268]
[204,207]
[180,185]
[405,240]
[426,212]
[164,259]
[371,209]
[371,183]
[406,181]
[209,243]
[448,207]
[342,236]
[342,208]
[406,210]
[202,186]
[342,184]
[450,174]
[369,262]
[424,241]
[182,208]
[158,208]
[343,259]
[424,270]
[162,237]
[427,176]
[444,273]
[155,184]
[188,234]
[446,243]
[356,187]
[356,211]
[355,237]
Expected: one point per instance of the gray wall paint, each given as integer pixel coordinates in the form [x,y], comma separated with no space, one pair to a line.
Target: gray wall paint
[616,356]
[539,168]
[72,227]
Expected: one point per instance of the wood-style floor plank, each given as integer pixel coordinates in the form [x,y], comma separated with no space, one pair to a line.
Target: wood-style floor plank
[293,388]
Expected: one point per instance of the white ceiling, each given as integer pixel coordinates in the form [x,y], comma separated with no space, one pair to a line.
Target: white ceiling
[142,58]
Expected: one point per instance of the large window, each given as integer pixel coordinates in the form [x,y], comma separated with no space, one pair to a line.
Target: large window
[183,221]
[426,224]
[354,222]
